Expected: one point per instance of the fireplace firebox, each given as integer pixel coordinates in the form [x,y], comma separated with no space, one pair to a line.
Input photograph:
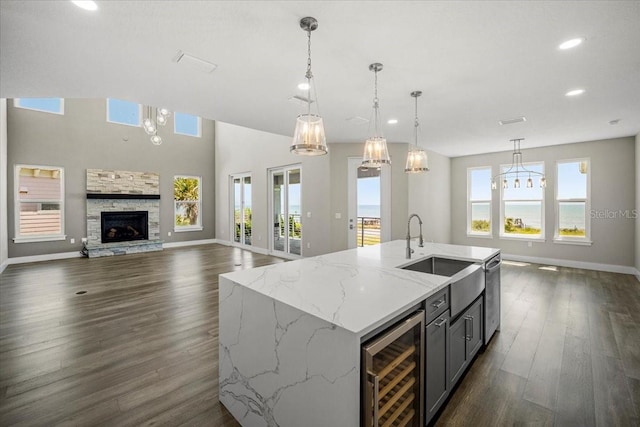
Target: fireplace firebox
[124,226]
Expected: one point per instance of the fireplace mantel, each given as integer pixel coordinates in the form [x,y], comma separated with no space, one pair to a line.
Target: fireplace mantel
[127,196]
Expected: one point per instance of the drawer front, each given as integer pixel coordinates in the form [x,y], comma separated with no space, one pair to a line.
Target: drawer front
[437,304]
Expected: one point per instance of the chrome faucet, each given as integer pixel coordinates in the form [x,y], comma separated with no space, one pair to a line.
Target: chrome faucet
[420,242]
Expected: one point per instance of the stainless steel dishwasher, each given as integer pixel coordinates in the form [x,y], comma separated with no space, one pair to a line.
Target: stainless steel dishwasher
[492,297]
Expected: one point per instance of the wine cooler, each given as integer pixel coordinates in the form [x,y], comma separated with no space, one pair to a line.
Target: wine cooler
[393,366]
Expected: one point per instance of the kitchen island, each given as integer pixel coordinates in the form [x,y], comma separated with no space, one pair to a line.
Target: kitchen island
[291,333]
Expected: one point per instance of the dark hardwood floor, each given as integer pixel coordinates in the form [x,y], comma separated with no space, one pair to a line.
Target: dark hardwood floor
[140,346]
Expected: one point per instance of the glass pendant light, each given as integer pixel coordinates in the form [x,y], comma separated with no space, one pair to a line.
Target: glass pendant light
[156,140]
[417,160]
[309,138]
[376,153]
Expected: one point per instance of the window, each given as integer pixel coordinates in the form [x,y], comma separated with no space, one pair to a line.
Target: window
[572,201]
[186,124]
[479,201]
[123,112]
[187,192]
[522,209]
[39,204]
[46,105]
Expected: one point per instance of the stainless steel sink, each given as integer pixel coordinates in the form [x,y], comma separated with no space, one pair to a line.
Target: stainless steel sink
[467,279]
[440,266]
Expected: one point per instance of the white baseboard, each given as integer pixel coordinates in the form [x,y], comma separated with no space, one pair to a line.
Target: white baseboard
[45,257]
[189,243]
[574,264]
[3,266]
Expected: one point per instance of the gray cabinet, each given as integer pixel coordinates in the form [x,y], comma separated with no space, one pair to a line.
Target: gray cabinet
[437,376]
[465,340]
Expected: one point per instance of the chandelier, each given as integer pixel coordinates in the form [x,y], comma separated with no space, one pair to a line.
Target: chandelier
[417,160]
[309,138]
[375,148]
[152,119]
[517,169]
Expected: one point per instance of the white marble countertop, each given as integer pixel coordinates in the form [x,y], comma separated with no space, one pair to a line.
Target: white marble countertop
[357,289]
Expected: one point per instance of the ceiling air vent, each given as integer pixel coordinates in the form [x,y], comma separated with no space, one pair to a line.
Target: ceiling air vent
[512,121]
[300,99]
[194,62]
[357,120]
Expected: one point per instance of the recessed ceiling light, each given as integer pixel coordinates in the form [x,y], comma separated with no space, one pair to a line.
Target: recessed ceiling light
[571,43]
[303,86]
[85,4]
[574,92]
[392,121]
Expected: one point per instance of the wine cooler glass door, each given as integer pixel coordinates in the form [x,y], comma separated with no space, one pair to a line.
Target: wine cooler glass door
[393,376]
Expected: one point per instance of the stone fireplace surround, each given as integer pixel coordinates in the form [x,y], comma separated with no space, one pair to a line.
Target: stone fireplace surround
[116,191]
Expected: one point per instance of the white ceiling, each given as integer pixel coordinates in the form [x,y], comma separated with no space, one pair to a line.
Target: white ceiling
[476,62]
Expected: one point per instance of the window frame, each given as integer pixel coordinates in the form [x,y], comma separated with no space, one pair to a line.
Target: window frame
[573,240]
[470,203]
[199,119]
[184,228]
[122,123]
[18,238]
[16,104]
[523,237]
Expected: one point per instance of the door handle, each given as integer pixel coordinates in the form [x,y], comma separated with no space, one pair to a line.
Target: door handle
[466,335]
[376,390]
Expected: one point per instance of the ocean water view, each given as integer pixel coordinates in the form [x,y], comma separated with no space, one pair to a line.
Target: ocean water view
[369,211]
[572,215]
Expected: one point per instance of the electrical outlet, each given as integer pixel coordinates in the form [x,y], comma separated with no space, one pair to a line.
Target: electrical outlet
[84,240]
[169,233]
[338,215]
[259,236]
[308,245]
[308,214]
[72,240]
[530,244]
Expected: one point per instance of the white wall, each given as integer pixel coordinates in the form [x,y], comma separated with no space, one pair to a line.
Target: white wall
[240,150]
[4,234]
[613,188]
[430,197]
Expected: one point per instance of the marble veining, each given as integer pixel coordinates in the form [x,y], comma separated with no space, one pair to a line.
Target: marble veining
[290,333]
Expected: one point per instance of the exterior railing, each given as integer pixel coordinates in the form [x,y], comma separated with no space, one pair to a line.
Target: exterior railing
[368,231]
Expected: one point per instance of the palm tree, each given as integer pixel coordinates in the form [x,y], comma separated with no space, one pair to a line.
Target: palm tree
[187,190]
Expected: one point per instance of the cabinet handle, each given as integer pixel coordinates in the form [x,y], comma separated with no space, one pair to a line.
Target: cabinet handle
[438,303]
[440,322]
[466,335]
[376,404]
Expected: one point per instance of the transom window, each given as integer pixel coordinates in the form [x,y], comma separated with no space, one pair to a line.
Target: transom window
[572,201]
[123,112]
[187,195]
[522,209]
[45,105]
[187,124]
[39,203]
[479,201]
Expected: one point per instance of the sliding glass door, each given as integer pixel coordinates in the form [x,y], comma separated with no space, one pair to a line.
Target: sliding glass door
[286,208]
[241,209]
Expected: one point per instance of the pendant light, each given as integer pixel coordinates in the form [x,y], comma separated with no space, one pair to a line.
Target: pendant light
[150,123]
[517,169]
[417,160]
[375,148]
[309,138]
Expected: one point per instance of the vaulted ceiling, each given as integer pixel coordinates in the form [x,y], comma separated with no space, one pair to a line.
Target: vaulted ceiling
[476,62]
